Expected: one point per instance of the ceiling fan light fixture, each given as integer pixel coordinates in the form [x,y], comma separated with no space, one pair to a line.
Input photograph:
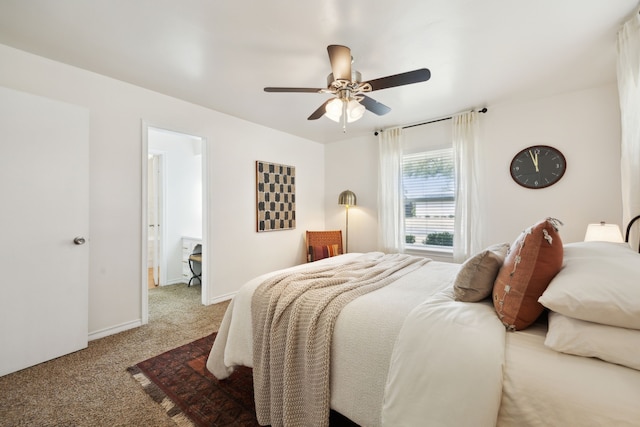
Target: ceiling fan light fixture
[334,108]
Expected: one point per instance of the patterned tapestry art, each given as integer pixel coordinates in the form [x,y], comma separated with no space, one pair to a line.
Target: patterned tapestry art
[275,196]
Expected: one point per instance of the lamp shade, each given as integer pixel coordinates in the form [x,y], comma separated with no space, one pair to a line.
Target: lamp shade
[603,232]
[337,106]
[347,197]
[333,110]
[355,110]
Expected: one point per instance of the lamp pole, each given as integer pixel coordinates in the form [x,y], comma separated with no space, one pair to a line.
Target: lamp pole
[347,198]
[346,237]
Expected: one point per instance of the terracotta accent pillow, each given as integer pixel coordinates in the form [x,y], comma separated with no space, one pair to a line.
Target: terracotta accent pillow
[474,281]
[533,260]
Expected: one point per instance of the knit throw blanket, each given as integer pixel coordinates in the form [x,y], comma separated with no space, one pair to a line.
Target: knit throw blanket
[293,316]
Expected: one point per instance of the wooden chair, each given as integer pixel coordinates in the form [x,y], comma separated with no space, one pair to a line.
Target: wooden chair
[323,244]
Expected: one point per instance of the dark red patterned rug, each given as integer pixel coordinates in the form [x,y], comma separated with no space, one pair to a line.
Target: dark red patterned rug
[180,382]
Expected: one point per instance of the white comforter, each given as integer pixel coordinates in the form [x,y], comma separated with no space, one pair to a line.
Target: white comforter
[446,368]
[408,355]
[363,343]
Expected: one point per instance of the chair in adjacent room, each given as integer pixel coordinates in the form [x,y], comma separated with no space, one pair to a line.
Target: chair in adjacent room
[323,244]
[195,264]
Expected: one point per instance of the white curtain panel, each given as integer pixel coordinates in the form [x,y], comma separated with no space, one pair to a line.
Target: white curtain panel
[466,235]
[390,205]
[628,68]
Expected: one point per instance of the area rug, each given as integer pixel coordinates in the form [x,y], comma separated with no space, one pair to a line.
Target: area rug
[179,381]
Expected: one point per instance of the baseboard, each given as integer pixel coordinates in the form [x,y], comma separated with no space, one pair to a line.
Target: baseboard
[114,330]
[137,323]
[221,298]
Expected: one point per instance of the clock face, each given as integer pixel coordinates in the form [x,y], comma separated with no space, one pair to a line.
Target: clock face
[538,166]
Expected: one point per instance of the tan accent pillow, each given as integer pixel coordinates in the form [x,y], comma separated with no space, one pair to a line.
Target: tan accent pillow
[474,281]
[533,260]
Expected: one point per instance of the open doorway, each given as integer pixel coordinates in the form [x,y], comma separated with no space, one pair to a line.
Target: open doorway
[173,217]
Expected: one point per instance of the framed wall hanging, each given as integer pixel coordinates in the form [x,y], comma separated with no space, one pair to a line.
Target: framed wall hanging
[275,196]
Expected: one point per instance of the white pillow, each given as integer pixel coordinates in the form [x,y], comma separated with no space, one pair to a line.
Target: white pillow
[610,343]
[599,282]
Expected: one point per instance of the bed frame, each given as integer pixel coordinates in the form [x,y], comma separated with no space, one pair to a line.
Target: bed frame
[626,237]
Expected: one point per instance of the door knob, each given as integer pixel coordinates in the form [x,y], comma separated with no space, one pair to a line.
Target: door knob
[79,241]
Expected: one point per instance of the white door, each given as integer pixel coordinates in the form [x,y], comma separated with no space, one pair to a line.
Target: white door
[44,197]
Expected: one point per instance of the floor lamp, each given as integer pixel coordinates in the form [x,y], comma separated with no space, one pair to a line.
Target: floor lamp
[347,198]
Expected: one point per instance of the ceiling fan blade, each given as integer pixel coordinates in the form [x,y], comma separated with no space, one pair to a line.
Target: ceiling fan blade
[293,89]
[374,106]
[320,111]
[340,58]
[415,76]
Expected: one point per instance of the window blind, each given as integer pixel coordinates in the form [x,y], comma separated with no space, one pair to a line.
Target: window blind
[429,198]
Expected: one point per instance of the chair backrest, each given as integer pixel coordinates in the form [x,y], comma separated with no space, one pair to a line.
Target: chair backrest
[323,244]
[197,250]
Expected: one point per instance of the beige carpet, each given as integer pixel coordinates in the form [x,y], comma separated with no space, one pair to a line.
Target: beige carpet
[92,387]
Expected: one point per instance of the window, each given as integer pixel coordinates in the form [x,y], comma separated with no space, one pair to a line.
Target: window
[429,199]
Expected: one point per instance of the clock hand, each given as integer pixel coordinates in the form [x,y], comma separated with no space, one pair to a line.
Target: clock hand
[534,159]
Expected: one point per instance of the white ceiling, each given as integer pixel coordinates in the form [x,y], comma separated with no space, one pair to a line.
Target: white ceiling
[221,54]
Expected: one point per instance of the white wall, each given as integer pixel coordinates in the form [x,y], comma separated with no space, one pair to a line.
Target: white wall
[183,176]
[584,125]
[117,111]
[353,165]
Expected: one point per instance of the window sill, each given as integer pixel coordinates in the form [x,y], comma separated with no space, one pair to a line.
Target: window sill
[444,255]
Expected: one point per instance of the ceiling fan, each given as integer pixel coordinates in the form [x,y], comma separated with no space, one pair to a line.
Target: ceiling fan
[346,84]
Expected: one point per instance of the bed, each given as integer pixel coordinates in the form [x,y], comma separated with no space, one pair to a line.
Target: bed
[438,346]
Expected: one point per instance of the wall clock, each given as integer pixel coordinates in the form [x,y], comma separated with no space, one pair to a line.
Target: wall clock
[538,166]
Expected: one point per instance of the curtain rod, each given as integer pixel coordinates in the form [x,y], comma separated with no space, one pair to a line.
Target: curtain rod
[483,110]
